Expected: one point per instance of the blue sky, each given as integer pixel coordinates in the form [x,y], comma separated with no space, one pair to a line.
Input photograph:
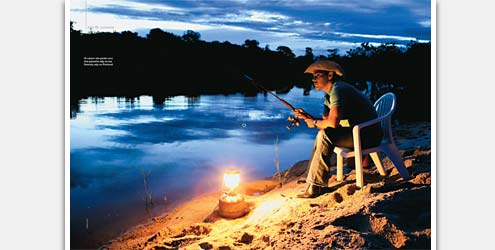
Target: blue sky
[298,24]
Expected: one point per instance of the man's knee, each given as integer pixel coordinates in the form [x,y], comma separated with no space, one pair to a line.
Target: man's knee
[321,135]
[322,142]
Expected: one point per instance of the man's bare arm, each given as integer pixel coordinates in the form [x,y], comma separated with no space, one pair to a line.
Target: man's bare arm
[331,120]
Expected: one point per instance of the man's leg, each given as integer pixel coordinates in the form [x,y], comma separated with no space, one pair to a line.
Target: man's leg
[319,163]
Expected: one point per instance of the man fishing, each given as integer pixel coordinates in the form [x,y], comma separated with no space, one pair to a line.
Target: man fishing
[344,107]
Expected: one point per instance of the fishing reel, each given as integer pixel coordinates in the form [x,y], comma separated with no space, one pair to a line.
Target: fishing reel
[292,121]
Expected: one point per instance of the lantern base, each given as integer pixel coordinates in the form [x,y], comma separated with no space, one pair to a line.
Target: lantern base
[232,206]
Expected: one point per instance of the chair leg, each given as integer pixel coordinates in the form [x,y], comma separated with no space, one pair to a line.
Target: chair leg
[378,163]
[359,171]
[394,156]
[340,167]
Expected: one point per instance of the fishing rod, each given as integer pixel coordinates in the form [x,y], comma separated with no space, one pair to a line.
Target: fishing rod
[292,119]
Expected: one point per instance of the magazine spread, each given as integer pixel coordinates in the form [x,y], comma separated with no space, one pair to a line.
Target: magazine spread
[236,125]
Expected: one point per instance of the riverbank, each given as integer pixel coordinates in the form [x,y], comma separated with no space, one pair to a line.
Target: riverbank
[388,212]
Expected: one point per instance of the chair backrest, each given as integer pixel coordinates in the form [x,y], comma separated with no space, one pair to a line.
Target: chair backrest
[385,106]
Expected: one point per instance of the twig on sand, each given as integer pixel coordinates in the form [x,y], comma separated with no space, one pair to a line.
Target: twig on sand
[277,162]
[148,197]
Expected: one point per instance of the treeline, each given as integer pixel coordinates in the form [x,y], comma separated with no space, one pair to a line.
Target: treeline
[163,64]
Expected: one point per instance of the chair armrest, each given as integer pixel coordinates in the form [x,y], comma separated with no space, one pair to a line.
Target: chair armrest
[356,131]
[370,122]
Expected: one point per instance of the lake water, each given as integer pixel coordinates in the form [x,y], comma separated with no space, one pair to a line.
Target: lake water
[182,147]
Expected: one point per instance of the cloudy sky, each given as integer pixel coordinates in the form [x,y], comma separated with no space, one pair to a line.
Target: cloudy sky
[298,24]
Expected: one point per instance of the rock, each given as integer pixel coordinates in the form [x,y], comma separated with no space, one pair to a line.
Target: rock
[206,245]
[351,189]
[297,170]
[152,238]
[338,197]
[266,238]
[246,238]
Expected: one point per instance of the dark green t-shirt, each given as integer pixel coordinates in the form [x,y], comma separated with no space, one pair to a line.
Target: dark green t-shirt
[354,106]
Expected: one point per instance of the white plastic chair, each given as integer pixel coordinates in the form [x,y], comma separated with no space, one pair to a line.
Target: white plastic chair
[385,107]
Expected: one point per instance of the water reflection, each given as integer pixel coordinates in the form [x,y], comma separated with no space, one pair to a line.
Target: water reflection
[185,143]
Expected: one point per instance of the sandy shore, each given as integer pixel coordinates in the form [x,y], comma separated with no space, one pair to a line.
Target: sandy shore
[388,212]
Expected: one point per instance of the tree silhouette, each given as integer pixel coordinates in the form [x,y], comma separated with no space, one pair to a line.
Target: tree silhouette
[285,51]
[251,44]
[191,36]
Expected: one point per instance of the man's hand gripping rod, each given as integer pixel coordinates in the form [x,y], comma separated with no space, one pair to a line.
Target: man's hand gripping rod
[293,120]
